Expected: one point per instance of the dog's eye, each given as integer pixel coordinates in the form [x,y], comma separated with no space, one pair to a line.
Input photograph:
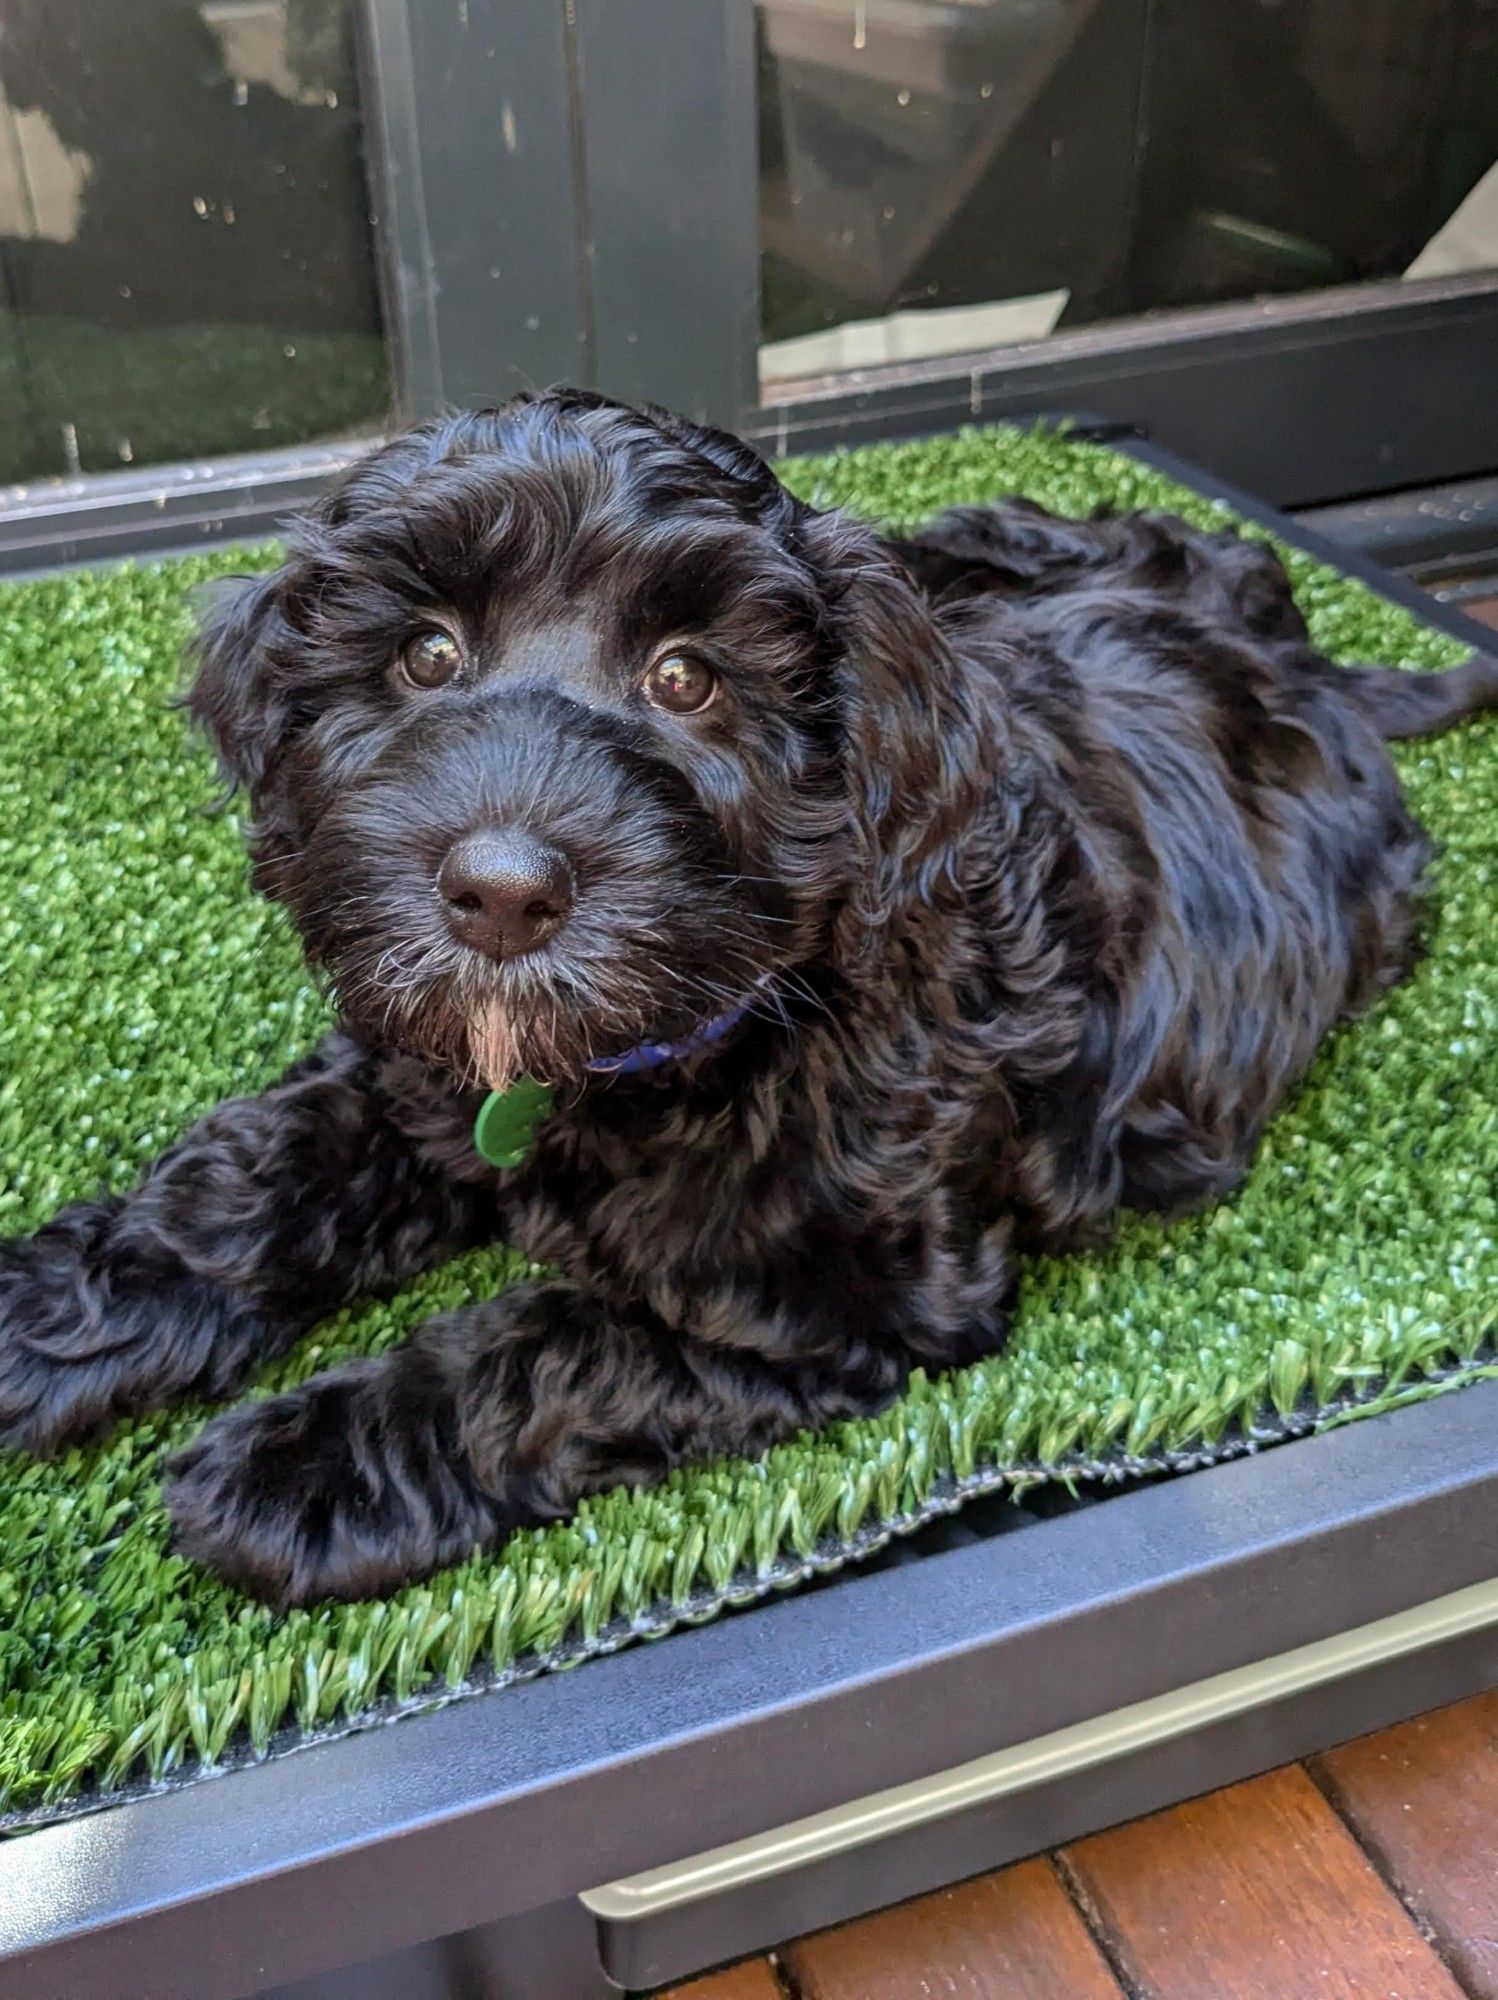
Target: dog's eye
[431,659]
[680,683]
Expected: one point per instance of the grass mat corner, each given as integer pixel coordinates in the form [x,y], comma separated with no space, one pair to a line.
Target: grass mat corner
[140,983]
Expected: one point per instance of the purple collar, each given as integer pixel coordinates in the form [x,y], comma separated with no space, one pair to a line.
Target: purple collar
[507,1119]
[654,1055]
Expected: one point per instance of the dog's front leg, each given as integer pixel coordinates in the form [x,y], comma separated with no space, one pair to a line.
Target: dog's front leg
[487,1419]
[271,1211]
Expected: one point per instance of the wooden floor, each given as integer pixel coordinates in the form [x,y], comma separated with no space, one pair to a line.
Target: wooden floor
[1370,1873]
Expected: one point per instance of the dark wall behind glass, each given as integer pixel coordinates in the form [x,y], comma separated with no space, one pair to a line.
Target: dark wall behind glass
[1136,153]
[185,248]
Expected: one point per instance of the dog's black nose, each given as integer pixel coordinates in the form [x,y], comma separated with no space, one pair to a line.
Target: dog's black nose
[505,892]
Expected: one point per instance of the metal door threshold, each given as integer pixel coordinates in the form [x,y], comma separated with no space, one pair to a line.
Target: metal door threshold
[665,1923]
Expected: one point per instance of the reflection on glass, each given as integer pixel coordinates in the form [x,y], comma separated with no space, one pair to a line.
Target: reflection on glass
[184,232]
[946,174]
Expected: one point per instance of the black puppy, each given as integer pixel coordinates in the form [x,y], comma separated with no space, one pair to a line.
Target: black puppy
[940,898]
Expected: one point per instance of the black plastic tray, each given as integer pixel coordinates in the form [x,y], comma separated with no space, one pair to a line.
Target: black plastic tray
[445,1856]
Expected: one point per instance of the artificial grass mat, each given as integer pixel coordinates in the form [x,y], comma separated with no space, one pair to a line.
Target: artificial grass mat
[140,983]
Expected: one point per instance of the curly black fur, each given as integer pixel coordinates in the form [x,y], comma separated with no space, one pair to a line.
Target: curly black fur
[1045,853]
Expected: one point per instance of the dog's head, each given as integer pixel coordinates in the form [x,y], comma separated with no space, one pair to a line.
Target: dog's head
[564,726]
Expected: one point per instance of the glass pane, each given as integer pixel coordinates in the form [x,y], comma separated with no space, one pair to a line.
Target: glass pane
[185,242]
[944,175]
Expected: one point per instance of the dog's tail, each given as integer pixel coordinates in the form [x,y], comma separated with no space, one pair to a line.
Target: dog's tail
[1400,703]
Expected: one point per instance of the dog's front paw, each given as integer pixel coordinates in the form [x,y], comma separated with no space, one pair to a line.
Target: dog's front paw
[342,1488]
[61,1338]
[99,1322]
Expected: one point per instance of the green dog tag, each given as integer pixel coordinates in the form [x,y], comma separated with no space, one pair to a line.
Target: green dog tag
[507,1121]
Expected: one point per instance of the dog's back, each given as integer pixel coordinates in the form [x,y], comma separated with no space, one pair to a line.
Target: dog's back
[1239,836]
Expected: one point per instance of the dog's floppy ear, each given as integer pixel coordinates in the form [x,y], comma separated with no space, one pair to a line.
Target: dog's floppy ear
[238,699]
[913,744]
[919,750]
[232,697]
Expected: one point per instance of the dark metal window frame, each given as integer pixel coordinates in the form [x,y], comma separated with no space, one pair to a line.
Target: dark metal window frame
[567,190]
